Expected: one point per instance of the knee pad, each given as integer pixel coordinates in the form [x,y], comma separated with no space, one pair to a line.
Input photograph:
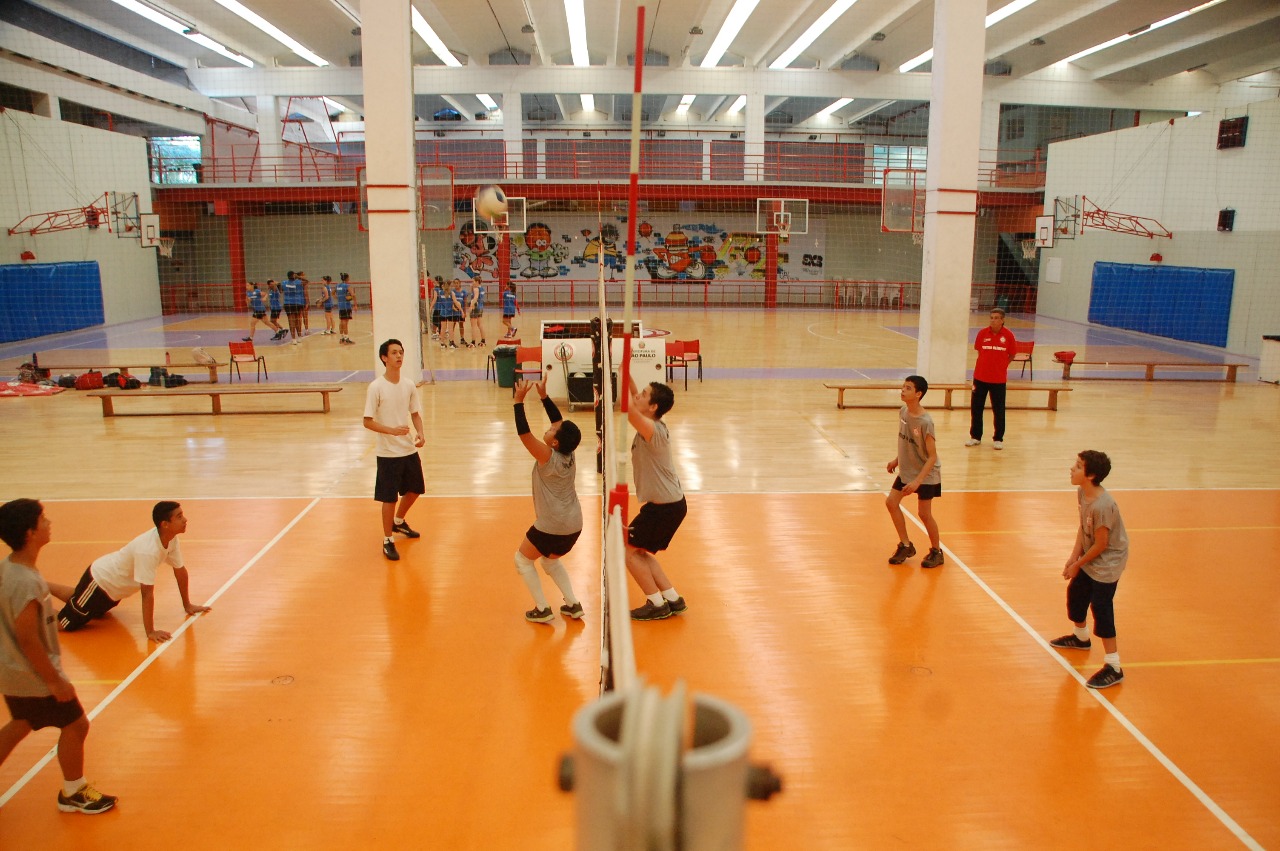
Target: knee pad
[523,565]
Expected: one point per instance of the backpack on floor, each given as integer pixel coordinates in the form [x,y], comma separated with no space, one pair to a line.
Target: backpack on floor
[89,381]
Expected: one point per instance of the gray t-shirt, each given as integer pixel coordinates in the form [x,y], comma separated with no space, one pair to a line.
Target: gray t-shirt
[19,585]
[654,471]
[1103,513]
[555,496]
[912,454]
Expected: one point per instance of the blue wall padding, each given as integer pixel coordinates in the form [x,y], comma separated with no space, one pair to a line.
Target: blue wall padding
[1179,302]
[47,298]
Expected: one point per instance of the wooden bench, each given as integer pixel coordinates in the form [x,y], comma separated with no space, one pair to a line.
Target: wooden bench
[109,396]
[1151,367]
[1051,388]
[57,368]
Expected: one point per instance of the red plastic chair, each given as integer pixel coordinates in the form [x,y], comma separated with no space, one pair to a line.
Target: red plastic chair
[527,354]
[244,353]
[1022,355]
[690,352]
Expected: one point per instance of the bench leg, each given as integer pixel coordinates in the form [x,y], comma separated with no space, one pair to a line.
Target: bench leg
[108,410]
[1066,371]
[324,394]
[213,374]
[1151,372]
[1053,400]
[840,399]
[1231,372]
[217,402]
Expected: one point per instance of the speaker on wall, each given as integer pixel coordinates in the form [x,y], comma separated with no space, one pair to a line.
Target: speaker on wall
[1226,219]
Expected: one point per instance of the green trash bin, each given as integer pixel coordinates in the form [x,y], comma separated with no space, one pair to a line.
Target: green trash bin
[504,362]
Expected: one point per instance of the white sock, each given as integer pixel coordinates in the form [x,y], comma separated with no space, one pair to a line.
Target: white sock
[670,595]
[1082,633]
[70,787]
[656,599]
[555,569]
[397,521]
[1112,659]
[388,541]
[524,567]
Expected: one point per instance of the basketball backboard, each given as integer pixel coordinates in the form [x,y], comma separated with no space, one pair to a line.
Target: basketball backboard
[1045,230]
[149,229]
[515,220]
[782,216]
[902,200]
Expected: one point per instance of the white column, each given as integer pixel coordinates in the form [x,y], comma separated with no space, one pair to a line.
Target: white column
[47,105]
[959,40]
[392,185]
[513,133]
[270,166]
[753,151]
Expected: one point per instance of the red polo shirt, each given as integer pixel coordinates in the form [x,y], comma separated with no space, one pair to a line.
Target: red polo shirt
[995,350]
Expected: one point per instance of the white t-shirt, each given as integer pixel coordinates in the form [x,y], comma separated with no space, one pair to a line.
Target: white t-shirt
[392,405]
[123,572]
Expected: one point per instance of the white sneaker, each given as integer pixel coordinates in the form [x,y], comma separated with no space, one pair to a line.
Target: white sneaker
[997,444]
[973,441]
[297,342]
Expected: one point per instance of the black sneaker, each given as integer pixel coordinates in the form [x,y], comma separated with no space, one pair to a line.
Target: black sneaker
[247,339]
[902,553]
[1070,642]
[389,550]
[540,615]
[574,611]
[88,800]
[1106,677]
[650,612]
[932,559]
[678,606]
[403,528]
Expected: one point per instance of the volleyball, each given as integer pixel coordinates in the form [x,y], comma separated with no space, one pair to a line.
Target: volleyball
[490,203]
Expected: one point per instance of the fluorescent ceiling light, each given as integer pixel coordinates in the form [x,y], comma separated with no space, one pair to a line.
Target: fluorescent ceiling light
[489,103]
[271,29]
[183,29]
[424,31]
[991,20]
[733,24]
[577,15]
[838,105]
[1157,25]
[737,105]
[687,100]
[818,27]
[912,64]
[345,9]
[588,103]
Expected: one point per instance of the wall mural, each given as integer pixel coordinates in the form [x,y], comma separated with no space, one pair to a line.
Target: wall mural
[666,250]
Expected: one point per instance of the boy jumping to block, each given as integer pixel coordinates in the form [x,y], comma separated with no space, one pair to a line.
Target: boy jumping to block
[1093,570]
[918,472]
[35,689]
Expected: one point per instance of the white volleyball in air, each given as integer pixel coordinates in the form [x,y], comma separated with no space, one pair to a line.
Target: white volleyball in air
[490,202]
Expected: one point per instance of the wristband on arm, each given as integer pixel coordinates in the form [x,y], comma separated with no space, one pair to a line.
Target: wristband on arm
[522,422]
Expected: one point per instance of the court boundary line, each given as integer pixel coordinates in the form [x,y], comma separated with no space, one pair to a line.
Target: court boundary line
[155,654]
[1190,785]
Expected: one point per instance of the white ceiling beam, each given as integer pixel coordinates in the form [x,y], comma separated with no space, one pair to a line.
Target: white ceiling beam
[1190,41]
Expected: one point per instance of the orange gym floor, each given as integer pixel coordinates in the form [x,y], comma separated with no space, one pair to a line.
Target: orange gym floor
[333,702]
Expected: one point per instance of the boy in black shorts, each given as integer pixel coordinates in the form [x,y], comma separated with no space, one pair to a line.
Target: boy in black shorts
[557,512]
[918,472]
[390,405]
[35,688]
[663,507]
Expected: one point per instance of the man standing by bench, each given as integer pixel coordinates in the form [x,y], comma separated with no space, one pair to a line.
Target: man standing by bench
[996,347]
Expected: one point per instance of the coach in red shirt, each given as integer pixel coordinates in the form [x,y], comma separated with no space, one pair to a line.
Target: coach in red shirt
[995,346]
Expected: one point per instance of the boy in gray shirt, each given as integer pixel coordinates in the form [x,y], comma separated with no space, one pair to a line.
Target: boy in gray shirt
[557,511]
[1093,570]
[918,472]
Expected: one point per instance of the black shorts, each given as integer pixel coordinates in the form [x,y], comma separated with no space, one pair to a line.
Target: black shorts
[88,602]
[328,308]
[1084,593]
[551,545]
[924,492]
[656,524]
[477,313]
[398,476]
[259,314]
[275,314]
[45,711]
[344,314]
[293,309]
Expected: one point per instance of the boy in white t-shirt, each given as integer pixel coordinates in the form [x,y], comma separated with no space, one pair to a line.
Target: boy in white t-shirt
[390,405]
[127,571]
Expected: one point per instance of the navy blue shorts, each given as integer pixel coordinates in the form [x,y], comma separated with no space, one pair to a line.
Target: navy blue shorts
[45,711]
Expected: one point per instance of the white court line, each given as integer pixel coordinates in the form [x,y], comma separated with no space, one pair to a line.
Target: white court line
[1200,795]
[155,654]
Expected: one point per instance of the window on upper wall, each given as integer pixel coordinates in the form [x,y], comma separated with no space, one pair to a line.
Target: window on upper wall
[1015,128]
[1231,132]
[175,159]
[897,156]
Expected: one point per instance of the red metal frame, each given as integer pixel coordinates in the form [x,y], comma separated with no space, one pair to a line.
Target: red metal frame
[1093,216]
[95,214]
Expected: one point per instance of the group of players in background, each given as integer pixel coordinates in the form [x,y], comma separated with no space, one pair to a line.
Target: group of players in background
[291,297]
[450,308]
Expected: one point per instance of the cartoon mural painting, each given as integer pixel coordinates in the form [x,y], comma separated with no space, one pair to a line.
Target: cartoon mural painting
[474,254]
[679,257]
[603,249]
[540,251]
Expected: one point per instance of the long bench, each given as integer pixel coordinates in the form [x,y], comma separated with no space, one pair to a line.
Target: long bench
[1051,388]
[1150,367]
[109,397]
[56,368]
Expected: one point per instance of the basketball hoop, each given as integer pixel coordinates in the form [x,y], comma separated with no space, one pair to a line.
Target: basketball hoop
[917,238]
[165,246]
[1028,249]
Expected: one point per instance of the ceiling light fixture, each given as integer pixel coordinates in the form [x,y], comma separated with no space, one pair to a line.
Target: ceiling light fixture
[433,41]
[834,107]
[1157,25]
[235,7]
[816,29]
[737,105]
[733,24]
[576,15]
[347,10]
[182,29]
[991,20]
[527,29]
[489,103]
